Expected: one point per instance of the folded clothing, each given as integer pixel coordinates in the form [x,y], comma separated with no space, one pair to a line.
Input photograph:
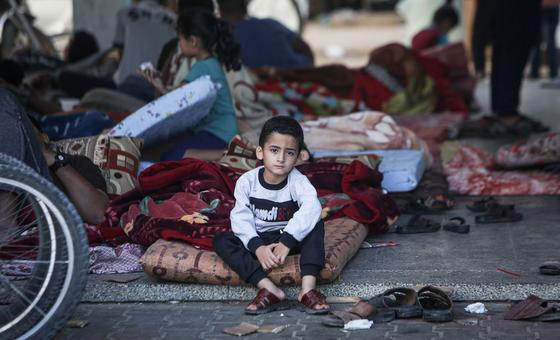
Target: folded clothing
[402,169]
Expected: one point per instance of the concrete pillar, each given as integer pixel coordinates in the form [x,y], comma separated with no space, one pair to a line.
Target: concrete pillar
[98,17]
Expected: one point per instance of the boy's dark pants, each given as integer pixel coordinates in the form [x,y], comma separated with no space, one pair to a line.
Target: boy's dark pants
[243,262]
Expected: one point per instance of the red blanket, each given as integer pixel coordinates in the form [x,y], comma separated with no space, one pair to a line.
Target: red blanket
[190,200]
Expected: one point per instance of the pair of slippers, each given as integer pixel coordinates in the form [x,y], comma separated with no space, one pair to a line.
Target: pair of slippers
[267,302]
[494,212]
[430,303]
[418,224]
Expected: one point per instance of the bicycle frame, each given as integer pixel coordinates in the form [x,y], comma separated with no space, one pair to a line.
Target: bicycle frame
[18,12]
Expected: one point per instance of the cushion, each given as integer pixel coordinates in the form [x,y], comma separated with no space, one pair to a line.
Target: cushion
[180,262]
[117,157]
[171,114]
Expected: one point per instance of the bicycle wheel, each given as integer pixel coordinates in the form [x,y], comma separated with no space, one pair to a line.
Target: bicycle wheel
[41,240]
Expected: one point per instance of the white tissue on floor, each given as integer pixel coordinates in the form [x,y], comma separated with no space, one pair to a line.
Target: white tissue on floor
[358,324]
[477,308]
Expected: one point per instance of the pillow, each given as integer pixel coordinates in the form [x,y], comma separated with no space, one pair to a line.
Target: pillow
[170,115]
[180,262]
[117,157]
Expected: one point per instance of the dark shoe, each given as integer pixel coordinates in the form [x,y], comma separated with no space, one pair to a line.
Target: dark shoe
[482,205]
[361,310]
[404,301]
[550,268]
[416,225]
[426,206]
[457,225]
[499,214]
[436,305]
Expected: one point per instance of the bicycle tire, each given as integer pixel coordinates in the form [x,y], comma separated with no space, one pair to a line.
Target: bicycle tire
[61,294]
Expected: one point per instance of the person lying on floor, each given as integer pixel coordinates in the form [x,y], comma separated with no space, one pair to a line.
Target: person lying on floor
[444,20]
[77,176]
[209,40]
[276,213]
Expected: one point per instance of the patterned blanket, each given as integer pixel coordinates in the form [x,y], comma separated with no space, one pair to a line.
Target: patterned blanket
[190,200]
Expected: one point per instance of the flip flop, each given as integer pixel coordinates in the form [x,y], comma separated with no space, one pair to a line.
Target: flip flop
[457,225]
[499,214]
[361,310]
[311,299]
[417,225]
[436,305]
[550,268]
[404,301]
[531,308]
[266,302]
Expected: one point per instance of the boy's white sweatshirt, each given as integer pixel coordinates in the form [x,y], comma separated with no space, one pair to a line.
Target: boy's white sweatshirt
[291,207]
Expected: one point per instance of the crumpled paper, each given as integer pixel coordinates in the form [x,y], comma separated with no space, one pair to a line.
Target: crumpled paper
[476,308]
[358,324]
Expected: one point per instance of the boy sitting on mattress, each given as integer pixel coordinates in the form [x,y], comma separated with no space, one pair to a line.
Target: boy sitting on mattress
[276,213]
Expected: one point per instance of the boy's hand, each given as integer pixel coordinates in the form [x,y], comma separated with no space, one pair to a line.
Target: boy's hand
[281,252]
[266,257]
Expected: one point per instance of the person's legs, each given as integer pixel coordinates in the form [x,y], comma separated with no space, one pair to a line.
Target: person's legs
[516,29]
[200,141]
[312,260]
[550,18]
[232,251]
[481,35]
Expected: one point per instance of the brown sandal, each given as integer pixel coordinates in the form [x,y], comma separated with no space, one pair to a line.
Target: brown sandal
[314,298]
[266,302]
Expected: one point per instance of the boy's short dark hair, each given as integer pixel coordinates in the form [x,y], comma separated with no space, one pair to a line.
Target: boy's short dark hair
[446,13]
[283,125]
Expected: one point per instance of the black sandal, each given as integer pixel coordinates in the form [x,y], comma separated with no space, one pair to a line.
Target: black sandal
[457,225]
[417,225]
[429,205]
[482,205]
[499,214]
[436,305]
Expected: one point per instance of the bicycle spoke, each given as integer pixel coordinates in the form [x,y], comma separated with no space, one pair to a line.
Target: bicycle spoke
[20,294]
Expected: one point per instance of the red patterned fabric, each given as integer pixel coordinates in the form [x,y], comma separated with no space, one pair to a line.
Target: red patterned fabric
[470,172]
[190,200]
